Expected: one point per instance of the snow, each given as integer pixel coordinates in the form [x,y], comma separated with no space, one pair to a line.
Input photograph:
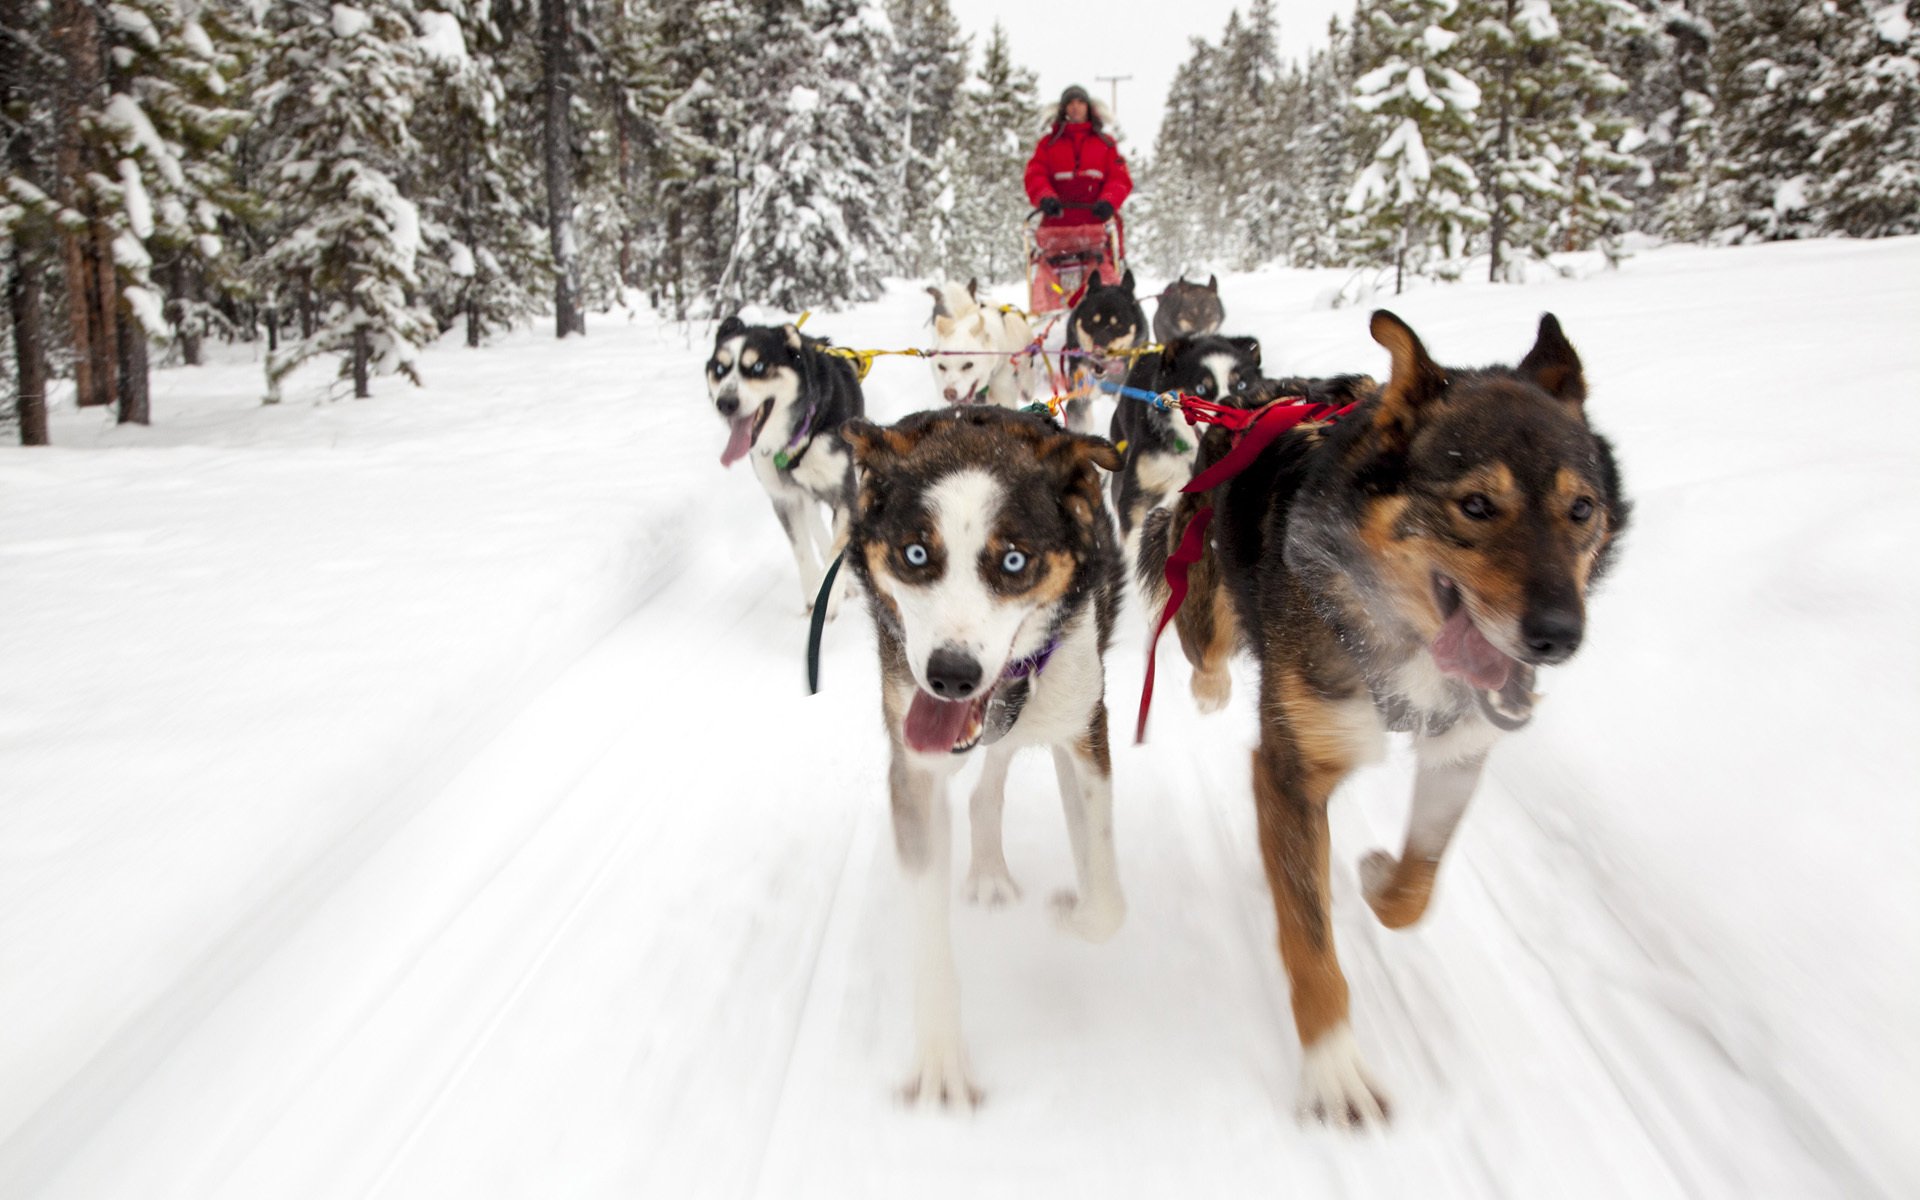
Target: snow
[1891,23]
[417,797]
[139,204]
[441,39]
[460,260]
[349,21]
[1790,196]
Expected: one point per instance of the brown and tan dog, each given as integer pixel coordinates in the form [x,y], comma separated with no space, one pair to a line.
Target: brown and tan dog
[1406,568]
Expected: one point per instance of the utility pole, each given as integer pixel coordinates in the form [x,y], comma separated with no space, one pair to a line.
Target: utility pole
[1113,91]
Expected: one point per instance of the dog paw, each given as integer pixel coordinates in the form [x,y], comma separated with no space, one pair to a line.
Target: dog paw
[1212,690]
[1095,920]
[941,1077]
[1396,892]
[991,886]
[1335,1088]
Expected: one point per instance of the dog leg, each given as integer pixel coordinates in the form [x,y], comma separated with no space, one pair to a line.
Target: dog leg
[1294,772]
[1207,634]
[828,546]
[1398,888]
[988,880]
[1085,771]
[793,519]
[923,837]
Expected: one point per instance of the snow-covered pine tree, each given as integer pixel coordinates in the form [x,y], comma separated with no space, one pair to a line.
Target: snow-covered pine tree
[1176,218]
[1323,151]
[927,67]
[1549,123]
[987,158]
[1417,204]
[1768,58]
[339,87]
[28,234]
[1257,124]
[177,122]
[480,210]
[1866,162]
[816,222]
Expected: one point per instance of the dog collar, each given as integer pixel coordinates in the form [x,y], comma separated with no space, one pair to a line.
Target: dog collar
[1032,664]
[787,459]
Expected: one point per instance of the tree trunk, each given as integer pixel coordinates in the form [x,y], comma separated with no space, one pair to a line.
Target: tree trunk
[473,316]
[1502,154]
[88,248]
[29,347]
[135,397]
[186,294]
[556,64]
[273,328]
[362,352]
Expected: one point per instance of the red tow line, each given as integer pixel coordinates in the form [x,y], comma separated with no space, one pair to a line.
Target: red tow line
[1253,431]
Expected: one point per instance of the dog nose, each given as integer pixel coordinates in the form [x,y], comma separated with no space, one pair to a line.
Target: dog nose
[952,675]
[728,404]
[1552,634]
[951,394]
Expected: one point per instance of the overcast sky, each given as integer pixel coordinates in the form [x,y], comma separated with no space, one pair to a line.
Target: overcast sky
[1072,42]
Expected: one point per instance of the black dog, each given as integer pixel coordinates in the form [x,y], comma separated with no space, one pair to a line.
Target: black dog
[1107,319]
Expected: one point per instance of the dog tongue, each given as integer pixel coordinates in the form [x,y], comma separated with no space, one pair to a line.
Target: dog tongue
[933,725]
[1462,650]
[739,441]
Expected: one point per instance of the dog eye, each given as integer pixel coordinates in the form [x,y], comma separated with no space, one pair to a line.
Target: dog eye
[1205,388]
[1013,562]
[916,555]
[1581,510]
[966,366]
[1478,507]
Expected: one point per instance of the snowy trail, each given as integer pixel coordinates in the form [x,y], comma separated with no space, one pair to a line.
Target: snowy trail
[649,937]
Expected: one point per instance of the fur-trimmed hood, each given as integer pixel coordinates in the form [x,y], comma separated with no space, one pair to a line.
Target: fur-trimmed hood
[1097,116]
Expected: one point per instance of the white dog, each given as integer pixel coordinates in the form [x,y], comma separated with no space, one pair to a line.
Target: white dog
[976,363]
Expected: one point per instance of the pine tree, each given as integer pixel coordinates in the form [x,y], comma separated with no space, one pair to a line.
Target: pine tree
[1766,62]
[340,86]
[179,115]
[27,213]
[1550,122]
[479,212]
[816,218]
[986,162]
[1178,218]
[1323,151]
[1417,203]
[1866,162]
[926,70]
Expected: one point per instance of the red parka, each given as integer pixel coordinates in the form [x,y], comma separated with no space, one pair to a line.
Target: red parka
[1080,165]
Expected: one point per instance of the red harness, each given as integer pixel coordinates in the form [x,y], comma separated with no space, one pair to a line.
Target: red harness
[1253,431]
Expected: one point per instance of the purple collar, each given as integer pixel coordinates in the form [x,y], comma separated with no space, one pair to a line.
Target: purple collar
[1032,664]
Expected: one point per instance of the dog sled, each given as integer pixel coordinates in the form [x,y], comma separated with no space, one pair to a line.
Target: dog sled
[1061,258]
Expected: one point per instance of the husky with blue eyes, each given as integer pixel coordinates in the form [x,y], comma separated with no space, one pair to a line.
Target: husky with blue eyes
[783,398]
[989,564]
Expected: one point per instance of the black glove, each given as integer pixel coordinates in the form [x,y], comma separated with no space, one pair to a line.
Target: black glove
[1102,211]
[1050,205]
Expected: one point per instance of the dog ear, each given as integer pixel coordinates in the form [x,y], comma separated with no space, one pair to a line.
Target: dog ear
[1079,458]
[1415,379]
[1213,284]
[1126,282]
[1553,365]
[943,325]
[794,342]
[1249,346]
[728,328]
[864,438]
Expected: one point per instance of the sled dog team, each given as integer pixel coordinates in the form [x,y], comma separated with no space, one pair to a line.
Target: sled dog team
[1405,567]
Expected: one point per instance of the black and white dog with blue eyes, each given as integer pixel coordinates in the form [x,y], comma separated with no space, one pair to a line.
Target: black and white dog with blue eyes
[989,565]
[783,399]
